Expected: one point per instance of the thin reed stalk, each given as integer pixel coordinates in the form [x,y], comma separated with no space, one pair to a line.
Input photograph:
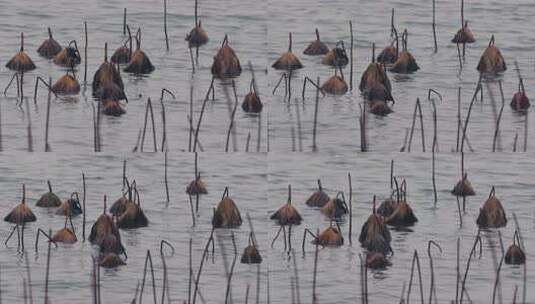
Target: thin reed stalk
[497,129]
[465,127]
[95,147]
[259,133]
[434,28]
[190,133]
[192,61]
[351,56]
[165,178]
[164,128]
[148,261]
[86,43]
[192,211]
[203,258]
[315,128]
[83,206]
[458,118]
[124,21]
[417,109]
[231,272]
[526,128]
[472,253]
[231,124]
[432,289]
[350,209]
[29,128]
[47,273]
[48,85]
[257,283]
[316,252]
[434,146]
[247,293]
[362,125]
[211,88]
[165,24]
[296,277]
[315,84]
[99,143]
[415,261]
[190,268]
[47,145]
[497,281]
[29,275]
[247,141]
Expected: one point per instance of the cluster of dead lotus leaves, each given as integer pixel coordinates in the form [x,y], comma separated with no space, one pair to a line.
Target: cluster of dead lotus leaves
[108,86]
[492,215]
[107,83]
[126,213]
[375,235]
[336,57]
[226,65]
[375,84]
[69,208]
[227,215]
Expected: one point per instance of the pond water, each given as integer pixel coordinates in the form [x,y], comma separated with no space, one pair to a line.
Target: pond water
[338,125]
[258,31]
[71,119]
[258,184]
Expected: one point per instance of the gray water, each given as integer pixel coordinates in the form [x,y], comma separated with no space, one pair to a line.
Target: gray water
[258,185]
[258,32]
[338,128]
[258,182]
[71,264]
[71,126]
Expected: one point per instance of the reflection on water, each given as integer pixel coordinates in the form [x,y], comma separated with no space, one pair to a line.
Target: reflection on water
[338,128]
[71,264]
[258,32]
[71,126]
[370,176]
[258,184]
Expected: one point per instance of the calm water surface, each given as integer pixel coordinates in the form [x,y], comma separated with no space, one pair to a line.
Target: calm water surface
[258,185]
[71,121]
[338,128]
[258,32]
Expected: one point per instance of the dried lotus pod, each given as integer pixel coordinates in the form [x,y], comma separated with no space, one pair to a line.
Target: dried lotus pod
[227,214]
[50,47]
[288,61]
[21,213]
[49,199]
[491,61]
[139,61]
[492,214]
[21,62]
[514,254]
[287,214]
[226,63]
[316,47]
